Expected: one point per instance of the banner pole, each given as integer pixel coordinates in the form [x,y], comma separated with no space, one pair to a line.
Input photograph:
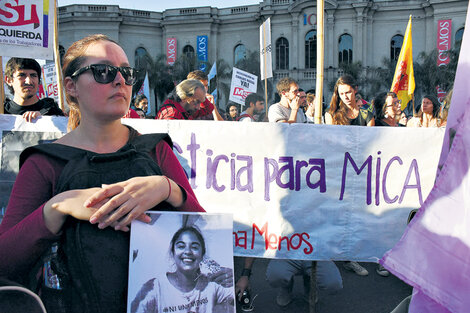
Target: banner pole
[57,59]
[2,90]
[265,72]
[320,62]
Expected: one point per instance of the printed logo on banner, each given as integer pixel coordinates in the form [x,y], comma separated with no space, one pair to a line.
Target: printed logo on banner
[24,23]
[444,30]
[50,81]
[202,52]
[243,83]
[171,51]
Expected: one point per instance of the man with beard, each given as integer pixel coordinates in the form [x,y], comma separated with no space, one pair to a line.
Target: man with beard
[23,78]
[289,109]
[254,104]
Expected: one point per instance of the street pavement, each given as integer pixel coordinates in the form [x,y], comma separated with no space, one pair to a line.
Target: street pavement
[360,294]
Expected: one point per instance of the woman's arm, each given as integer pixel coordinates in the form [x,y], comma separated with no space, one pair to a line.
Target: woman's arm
[328,118]
[128,200]
[24,235]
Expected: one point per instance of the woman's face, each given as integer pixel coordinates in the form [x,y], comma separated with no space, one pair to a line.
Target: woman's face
[187,252]
[102,101]
[347,94]
[426,106]
[393,107]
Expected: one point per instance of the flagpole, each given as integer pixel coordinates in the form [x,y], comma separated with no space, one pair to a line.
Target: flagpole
[265,72]
[57,59]
[320,61]
[2,90]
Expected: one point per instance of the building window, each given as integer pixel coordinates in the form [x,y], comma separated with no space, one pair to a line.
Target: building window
[395,47]
[239,53]
[188,51]
[345,49]
[458,37]
[311,49]
[282,54]
[140,59]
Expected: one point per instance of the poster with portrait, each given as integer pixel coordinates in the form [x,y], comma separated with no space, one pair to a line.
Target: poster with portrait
[181,262]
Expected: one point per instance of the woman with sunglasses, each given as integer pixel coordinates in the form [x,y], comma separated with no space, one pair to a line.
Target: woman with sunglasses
[98,83]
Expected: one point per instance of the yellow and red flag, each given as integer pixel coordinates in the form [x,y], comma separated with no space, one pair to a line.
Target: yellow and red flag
[404,79]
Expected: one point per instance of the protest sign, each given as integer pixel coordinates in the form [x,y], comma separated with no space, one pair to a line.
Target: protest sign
[27,29]
[49,77]
[154,257]
[243,83]
[265,50]
[303,191]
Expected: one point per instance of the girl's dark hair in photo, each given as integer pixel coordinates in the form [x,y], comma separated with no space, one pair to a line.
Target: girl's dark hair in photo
[192,229]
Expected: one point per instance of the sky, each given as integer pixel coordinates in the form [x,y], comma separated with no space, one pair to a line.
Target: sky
[162,5]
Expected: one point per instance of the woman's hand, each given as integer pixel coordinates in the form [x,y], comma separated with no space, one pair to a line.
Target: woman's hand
[67,203]
[224,277]
[128,200]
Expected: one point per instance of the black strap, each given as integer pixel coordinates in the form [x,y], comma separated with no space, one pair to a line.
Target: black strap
[143,143]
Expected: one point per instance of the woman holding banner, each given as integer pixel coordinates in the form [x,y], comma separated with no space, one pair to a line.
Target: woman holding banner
[428,115]
[344,109]
[53,199]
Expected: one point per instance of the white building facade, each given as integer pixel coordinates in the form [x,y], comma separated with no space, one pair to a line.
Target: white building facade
[365,31]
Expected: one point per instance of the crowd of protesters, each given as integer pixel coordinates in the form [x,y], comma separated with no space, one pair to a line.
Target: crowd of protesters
[190,100]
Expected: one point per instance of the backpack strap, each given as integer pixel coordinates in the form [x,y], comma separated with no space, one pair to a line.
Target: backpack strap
[147,142]
[143,143]
[55,150]
[243,116]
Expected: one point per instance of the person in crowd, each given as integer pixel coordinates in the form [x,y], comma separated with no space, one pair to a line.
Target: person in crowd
[387,109]
[254,104]
[141,102]
[184,103]
[23,77]
[140,112]
[288,109]
[203,78]
[345,109]
[428,115]
[187,286]
[98,84]
[232,110]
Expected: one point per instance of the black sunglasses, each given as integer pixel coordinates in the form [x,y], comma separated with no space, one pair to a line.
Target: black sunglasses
[105,74]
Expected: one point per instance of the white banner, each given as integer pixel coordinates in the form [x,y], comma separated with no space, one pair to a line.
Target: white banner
[265,50]
[243,83]
[27,29]
[301,191]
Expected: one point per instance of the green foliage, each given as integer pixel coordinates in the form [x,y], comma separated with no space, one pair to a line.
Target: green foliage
[373,80]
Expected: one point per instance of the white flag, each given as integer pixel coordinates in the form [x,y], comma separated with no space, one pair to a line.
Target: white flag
[265,50]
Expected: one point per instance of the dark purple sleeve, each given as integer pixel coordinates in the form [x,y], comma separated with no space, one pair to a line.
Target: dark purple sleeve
[172,168]
[23,234]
